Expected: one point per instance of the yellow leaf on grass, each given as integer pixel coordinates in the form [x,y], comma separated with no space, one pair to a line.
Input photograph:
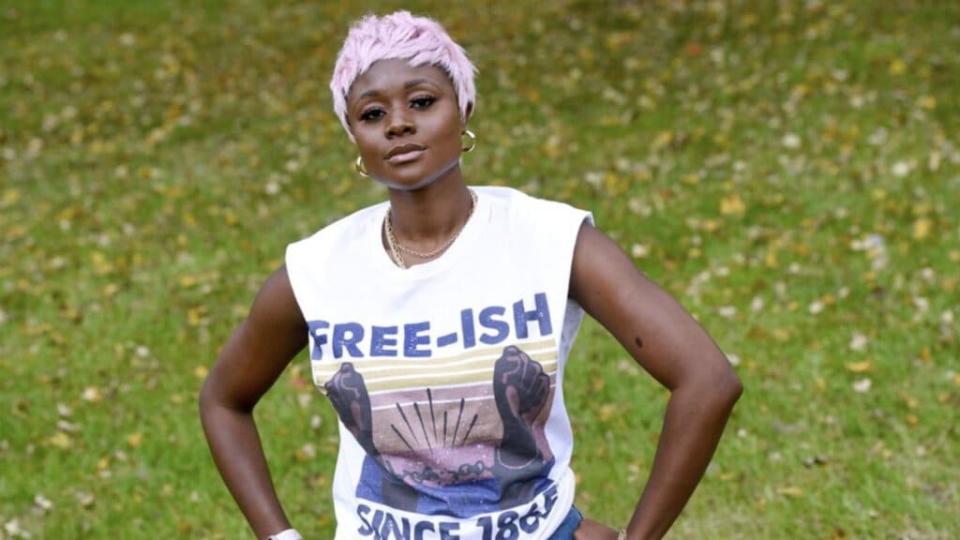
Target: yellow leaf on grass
[195,315]
[909,400]
[691,179]
[607,412]
[921,228]
[732,205]
[61,440]
[898,67]
[135,439]
[10,196]
[790,491]
[770,260]
[860,367]
[552,148]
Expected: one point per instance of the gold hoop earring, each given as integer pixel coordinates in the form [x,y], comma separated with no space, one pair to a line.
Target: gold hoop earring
[473,141]
[358,165]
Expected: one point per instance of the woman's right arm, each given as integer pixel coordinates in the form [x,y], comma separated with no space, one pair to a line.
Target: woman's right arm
[252,359]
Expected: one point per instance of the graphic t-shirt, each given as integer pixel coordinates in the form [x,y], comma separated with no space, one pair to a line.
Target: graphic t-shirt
[447,376]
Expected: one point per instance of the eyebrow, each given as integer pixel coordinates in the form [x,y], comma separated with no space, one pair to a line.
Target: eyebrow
[406,85]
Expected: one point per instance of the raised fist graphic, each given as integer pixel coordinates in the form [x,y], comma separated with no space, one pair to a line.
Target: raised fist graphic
[348,394]
[521,389]
[520,386]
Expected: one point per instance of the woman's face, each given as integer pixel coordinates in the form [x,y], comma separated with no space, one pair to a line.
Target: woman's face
[406,123]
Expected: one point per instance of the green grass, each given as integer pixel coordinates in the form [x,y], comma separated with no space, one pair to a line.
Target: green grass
[156,158]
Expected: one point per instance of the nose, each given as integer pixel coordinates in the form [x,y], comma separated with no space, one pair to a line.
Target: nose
[400,123]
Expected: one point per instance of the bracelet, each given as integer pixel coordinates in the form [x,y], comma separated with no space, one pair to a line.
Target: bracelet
[289,534]
[622,535]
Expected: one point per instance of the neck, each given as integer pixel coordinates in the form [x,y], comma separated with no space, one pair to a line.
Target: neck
[426,217]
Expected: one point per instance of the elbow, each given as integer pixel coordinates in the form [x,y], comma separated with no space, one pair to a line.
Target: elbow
[721,387]
[210,406]
[217,395]
[727,387]
[734,388]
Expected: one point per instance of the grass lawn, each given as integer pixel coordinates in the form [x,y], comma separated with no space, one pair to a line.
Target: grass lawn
[787,170]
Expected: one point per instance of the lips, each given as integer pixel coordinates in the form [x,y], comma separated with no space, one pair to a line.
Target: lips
[403,151]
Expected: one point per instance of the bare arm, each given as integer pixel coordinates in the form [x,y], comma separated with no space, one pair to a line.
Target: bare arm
[252,359]
[670,345]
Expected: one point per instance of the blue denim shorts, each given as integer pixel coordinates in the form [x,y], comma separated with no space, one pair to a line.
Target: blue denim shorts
[569,525]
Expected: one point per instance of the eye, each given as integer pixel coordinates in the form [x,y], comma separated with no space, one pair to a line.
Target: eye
[371,115]
[422,102]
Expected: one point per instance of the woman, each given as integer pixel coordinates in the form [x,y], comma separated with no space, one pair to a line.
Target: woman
[438,325]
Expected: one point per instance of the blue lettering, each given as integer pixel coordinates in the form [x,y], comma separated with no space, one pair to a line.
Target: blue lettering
[362,511]
[466,320]
[319,338]
[549,500]
[390,526]
[447,339]
[447,529]
[340,339]
[377,520]
[541,314]
[530,522]
[488,321]
[382,337]
[507,526]
[413,337]
[487,524]
[420,528]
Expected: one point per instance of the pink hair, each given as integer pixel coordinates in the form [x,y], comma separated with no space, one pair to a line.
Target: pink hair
[418,40]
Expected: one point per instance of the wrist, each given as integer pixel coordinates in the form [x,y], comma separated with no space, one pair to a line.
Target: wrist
[289,534]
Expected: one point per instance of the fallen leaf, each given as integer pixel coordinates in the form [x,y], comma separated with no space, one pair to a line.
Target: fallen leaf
[91,394]
[135,439]
[61,440]
[732,205]
[860,367]
[790,491]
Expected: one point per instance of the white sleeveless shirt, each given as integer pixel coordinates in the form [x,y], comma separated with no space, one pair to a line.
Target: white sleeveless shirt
[447,377]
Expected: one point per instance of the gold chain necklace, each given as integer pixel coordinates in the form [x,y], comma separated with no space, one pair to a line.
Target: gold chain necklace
[396,247]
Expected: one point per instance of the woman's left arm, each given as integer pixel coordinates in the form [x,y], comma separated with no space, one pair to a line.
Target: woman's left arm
[677,352]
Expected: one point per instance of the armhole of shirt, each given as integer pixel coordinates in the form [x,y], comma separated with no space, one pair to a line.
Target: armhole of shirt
[572,311]
[296,273]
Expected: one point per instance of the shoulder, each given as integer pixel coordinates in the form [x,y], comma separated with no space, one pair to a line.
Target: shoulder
[340,231]
[517,206]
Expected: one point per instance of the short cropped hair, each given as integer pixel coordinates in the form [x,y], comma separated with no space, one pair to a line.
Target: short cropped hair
[419,40]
